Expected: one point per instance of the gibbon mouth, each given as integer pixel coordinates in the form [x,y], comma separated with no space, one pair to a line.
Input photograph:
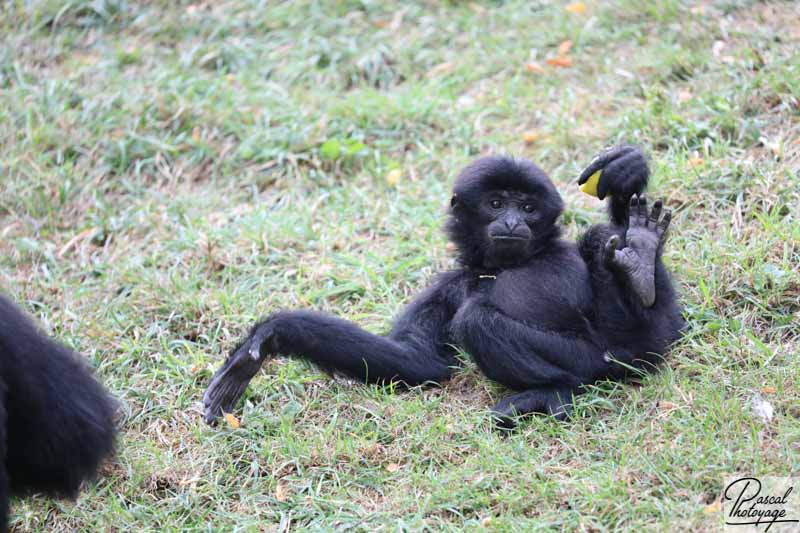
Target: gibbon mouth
[508,238]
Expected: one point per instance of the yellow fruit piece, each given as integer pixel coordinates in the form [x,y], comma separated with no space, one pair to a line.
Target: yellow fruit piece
[232,421]
[590,185]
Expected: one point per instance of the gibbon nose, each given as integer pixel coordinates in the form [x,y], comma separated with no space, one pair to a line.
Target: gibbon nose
[511,225]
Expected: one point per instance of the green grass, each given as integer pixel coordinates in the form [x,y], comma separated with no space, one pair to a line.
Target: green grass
[169,172]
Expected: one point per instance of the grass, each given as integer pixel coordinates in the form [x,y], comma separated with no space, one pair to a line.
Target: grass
[170,171]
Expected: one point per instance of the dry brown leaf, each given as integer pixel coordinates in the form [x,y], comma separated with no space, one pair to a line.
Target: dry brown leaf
[576,8]
[393,176]
[560,62]
[684,96]
[281,492]
[534,67]
[486,522]
[392,467]
[477,8]
[530,137]
[564,48]
[88,59]
[713,507]
[441,68]
[196,134]
[85,234]
[766,389]
[696,161]
[232,421]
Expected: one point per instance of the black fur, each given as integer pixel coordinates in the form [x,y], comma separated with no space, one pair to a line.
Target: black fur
[56,420]
[538,314]
[625,172]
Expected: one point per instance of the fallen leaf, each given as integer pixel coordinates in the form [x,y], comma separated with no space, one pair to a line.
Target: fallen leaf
[534,67]
[713,507]
[85,234]
[576,8]
[560,62]
[564,48]
[530,137]
[281,492]
[196,134]
[441,68]
[696,161]
[393,176]
[392,467]
[768,390]
[87,59]
[232,421]
[486,522]
[684,96]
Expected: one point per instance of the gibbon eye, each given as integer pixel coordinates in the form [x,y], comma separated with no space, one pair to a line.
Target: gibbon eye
[496,204]
[528,208]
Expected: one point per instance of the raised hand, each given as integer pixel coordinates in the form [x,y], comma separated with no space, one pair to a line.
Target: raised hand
[624,172]
[636,260]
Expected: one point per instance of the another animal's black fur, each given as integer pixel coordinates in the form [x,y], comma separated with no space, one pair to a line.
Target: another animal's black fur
[540,315]
[56,420]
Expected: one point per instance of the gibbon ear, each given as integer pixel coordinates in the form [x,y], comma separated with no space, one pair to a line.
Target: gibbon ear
[453,201]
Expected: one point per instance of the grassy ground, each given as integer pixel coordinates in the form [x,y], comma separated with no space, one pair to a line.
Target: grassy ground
[171,171]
